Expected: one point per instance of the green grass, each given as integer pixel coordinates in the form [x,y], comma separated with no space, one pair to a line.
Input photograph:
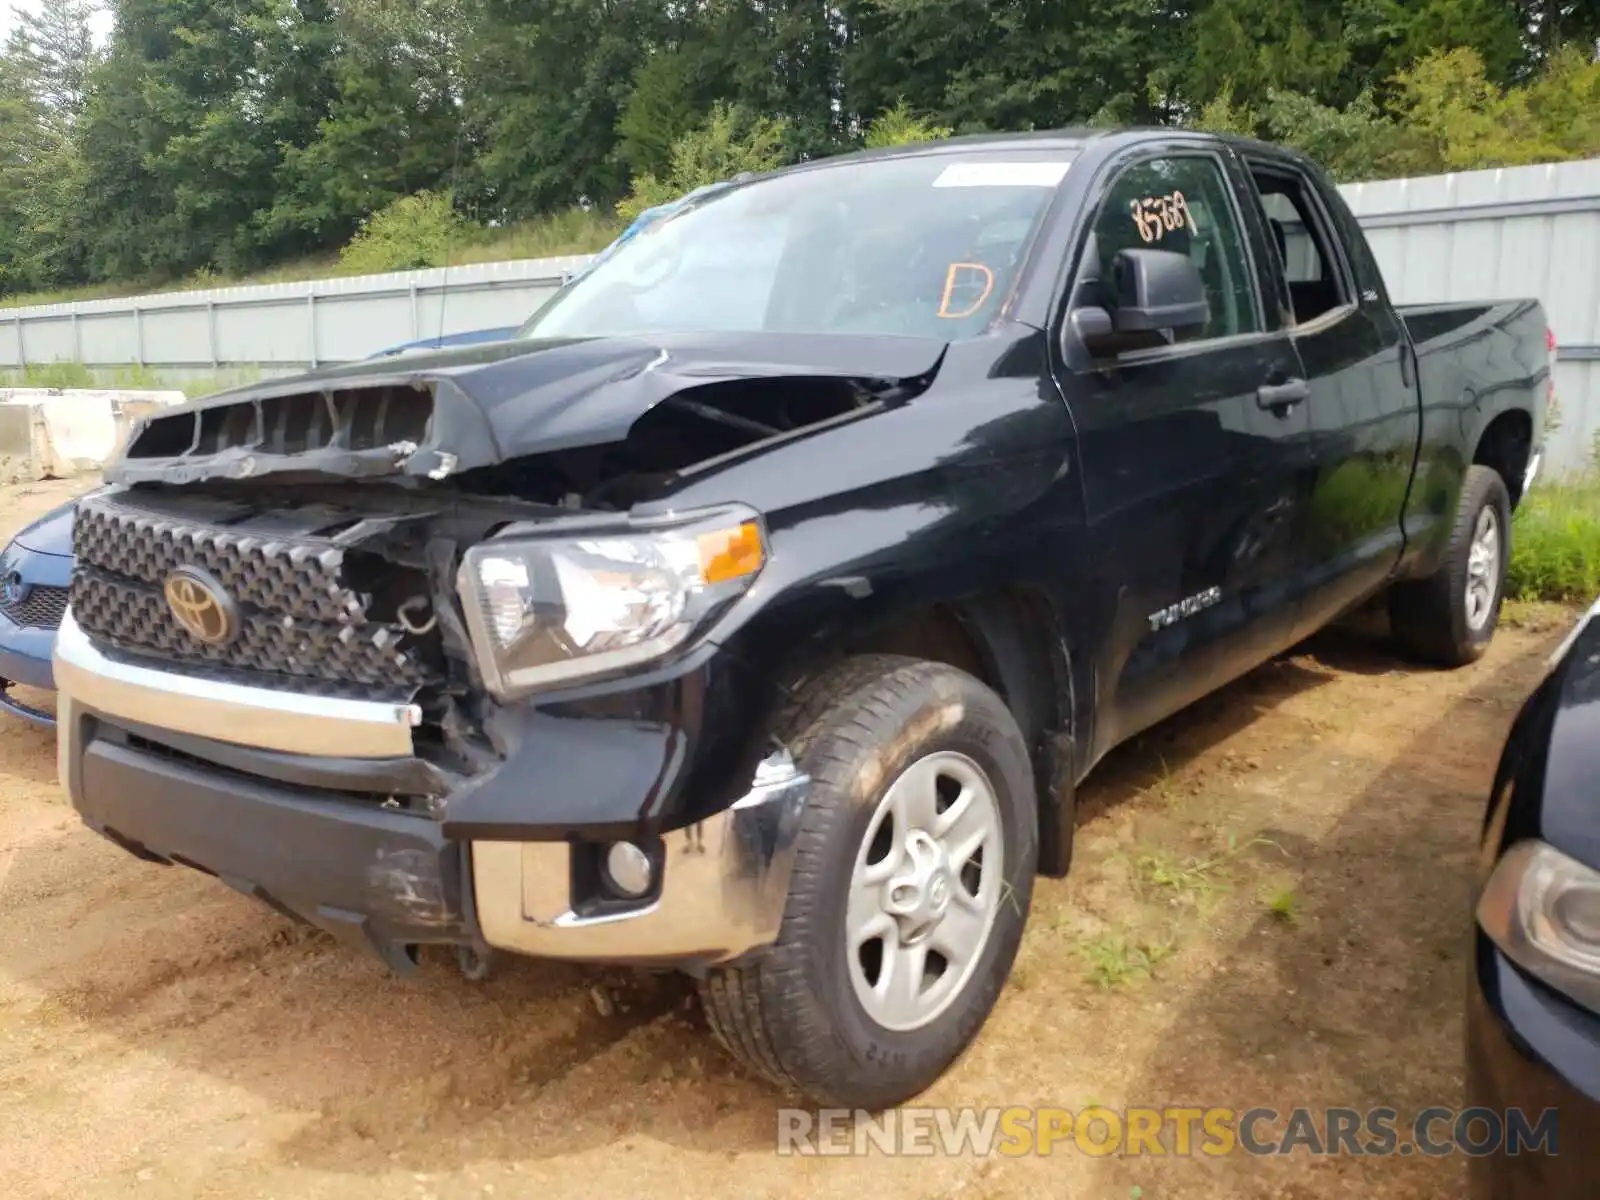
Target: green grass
[573,231]
[1555,544]
[1191,878]
[1282,905]
[1115,960]
[49,375]
[76,375]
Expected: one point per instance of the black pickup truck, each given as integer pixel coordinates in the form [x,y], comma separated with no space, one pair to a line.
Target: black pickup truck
[758,610]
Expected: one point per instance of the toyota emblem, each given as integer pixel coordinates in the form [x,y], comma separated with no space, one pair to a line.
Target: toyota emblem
[199,603]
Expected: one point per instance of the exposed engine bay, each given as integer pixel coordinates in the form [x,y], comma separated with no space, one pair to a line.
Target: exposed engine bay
[683,435]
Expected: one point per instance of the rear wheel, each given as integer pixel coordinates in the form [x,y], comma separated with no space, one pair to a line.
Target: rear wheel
[1449,617]
[915,870]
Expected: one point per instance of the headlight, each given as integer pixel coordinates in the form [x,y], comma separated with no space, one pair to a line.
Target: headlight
[1542,909]
[545,611]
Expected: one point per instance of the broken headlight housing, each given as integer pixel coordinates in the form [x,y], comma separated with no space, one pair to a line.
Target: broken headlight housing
[545,611]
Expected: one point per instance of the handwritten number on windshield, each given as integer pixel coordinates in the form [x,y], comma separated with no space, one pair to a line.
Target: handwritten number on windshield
[1157,216]
[960,280]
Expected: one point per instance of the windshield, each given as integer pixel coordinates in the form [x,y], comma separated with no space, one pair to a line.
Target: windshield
[924,246]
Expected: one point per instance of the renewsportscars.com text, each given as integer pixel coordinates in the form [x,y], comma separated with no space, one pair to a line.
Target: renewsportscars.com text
[1212,1132]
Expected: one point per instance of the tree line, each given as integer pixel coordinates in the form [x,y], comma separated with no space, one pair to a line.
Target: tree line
[225,136]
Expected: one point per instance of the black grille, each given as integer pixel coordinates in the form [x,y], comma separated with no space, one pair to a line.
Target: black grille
[40,608]
[301,579]
[129,616]
[301,623]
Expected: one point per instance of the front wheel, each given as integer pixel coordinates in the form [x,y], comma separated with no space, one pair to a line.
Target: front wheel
[1449,617]
[910,890]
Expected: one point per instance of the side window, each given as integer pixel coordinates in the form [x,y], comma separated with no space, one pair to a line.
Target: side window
[1305,244]
[1297,250]
[1181,204]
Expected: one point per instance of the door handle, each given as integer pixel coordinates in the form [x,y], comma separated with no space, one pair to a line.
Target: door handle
[1282,397]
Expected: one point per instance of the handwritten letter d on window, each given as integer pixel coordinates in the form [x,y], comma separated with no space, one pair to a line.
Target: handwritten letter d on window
[966,287]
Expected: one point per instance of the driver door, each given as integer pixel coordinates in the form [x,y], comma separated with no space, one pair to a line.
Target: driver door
[1194,465]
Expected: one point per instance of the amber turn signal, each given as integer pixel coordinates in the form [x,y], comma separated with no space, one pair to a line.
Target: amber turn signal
[731,553]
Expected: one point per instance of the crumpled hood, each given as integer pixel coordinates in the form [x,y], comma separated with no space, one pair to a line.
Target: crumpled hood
[435,415]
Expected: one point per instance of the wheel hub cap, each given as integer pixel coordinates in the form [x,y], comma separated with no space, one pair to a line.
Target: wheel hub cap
[1483,569]
[925,890]
[918,897]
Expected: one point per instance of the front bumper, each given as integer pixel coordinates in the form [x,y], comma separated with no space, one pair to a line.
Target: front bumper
[283,796]
[1530,1049]
[25,659]
[25,651]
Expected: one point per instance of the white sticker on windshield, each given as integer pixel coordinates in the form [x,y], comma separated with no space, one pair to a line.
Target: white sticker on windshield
[1001,174]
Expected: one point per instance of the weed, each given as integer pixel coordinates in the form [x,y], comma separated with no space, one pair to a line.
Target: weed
[68,375]
[1191,878]
[1536,616]
[136,378]
[51,375]
[1164,787]
[1555,544]
[1281,904]
[208,385]
[1115,960]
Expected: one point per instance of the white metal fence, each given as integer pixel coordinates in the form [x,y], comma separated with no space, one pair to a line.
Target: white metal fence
[1495,235]
[1479,235]
[279,327]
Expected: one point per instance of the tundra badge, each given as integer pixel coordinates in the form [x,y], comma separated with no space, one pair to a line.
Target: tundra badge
[1184,608]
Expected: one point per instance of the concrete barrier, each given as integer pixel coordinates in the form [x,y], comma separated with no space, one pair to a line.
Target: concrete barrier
[53,434]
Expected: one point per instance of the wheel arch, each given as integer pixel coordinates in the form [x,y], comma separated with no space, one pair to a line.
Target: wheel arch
[1009,638]
[1505,446]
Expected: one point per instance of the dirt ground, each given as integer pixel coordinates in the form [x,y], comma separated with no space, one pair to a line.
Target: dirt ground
[1269,906]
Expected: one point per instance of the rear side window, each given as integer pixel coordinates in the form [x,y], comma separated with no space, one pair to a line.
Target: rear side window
[1302,258]
[1304,242]
[1183,204]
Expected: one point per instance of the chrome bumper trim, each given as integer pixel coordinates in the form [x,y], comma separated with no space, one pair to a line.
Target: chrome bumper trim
[724,886]
[226,712]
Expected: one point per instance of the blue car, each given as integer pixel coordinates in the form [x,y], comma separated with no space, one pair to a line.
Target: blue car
[450,341]
[35,570]
[1533,999]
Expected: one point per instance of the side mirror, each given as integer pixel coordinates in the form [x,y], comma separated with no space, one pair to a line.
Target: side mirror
[1092,324]
[1157,289]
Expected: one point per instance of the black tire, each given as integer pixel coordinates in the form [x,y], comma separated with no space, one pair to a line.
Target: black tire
[791,1012]
[1429,616]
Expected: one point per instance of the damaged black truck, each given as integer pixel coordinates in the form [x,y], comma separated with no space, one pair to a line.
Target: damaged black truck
[757,611]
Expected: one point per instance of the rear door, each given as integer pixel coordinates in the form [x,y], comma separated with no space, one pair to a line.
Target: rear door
[1363,412]
[1193,452]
